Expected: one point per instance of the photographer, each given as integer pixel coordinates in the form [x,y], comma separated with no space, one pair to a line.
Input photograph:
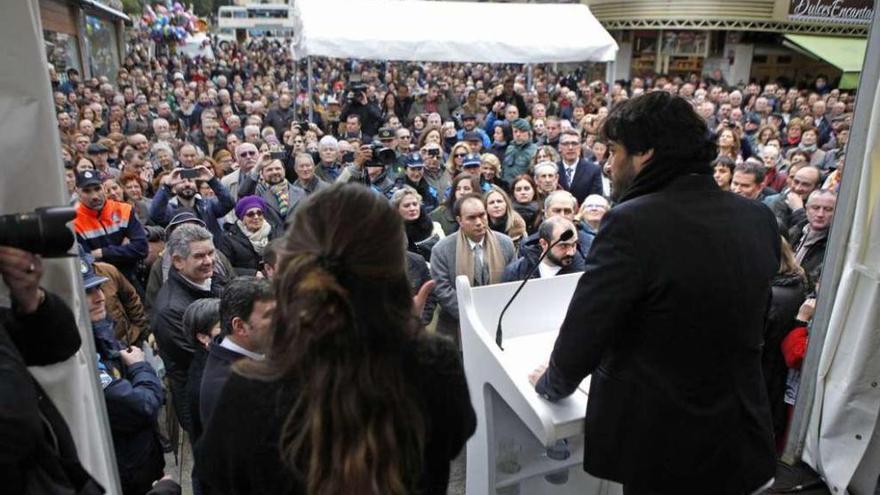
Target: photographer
[369,170]
[368,112]
[39,329]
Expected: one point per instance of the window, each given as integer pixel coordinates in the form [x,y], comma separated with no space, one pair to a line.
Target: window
[760,59]
[783,59]
[101,47]
[62,52]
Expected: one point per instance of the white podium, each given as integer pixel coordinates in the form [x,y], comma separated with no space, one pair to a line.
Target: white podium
[514,425]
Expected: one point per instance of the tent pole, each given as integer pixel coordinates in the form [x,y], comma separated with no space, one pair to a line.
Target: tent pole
[529,78]
[838,240]
[309,96]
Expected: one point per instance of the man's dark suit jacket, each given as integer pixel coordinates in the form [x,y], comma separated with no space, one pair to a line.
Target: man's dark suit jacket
[668,318]
[218,366]
[587,179]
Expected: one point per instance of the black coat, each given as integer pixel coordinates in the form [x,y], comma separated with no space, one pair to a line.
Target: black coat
[238,453]
[789,293]
[35,442]
[669,319]
[175,348]
[519,268]
[218,365]
[241,253]
[417,273]
[587,179]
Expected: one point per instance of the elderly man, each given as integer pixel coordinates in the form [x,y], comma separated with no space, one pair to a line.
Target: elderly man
[209,138]
[306,179]
[809,238]
[563,259]
[190,277]
[246,157]
[546,178]
[577,175]
[329,167]
[788,206]
[476,251]
[519,153]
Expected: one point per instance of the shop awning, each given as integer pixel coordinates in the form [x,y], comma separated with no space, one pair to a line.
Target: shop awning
[847,54]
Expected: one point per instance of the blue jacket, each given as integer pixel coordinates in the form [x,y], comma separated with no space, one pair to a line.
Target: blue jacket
[134,396]
[486,142]
[208,210]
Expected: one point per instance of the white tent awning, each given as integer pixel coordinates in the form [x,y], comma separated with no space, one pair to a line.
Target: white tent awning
[450,32]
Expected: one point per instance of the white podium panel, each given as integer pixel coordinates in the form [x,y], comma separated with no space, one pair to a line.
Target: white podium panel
[508,452]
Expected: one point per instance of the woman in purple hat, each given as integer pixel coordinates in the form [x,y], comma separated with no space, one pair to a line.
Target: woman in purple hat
[248,236]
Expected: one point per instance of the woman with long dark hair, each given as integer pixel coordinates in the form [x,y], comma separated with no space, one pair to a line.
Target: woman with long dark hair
[353,396]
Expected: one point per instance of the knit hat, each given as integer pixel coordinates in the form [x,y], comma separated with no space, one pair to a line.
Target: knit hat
[248,202]
[521,124]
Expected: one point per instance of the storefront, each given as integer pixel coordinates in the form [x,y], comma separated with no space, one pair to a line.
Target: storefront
[87,35]
[745,40]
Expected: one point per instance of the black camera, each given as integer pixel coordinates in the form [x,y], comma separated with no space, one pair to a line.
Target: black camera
[43,231]
[383,156]
[355,91]
[435,152]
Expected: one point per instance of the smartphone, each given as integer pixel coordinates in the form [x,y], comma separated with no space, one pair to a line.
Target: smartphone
[189,173]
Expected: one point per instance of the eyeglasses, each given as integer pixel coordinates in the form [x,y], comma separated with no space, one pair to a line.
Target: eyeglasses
[255,213]
[460,155]
[248,153]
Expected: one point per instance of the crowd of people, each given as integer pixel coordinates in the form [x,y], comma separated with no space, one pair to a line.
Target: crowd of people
[197,181]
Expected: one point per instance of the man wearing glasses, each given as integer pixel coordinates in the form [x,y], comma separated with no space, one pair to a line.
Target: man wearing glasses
[577,175]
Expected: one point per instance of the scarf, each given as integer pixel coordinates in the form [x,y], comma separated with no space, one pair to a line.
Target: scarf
[282,195]
[493,258]
[258,239]
[656,175]
[808,149]
[419,229]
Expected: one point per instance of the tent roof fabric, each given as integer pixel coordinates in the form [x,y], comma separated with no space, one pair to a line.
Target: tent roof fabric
[847,54]
[449,32]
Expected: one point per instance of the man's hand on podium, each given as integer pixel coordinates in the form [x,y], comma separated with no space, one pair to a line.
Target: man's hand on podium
[421,297]
[536,375]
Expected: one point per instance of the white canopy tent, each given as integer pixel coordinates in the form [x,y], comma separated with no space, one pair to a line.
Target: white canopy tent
[450,32]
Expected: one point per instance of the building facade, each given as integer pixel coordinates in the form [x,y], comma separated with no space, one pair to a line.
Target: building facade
[760,40]
[87,35]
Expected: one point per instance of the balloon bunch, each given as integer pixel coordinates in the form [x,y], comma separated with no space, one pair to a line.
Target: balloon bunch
[168,24]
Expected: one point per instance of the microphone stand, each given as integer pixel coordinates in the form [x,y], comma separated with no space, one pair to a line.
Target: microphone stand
[568,234]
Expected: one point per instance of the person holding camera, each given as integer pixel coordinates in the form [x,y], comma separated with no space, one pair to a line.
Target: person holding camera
[36,447]
[370,169]
[109,230]
[179,192]
[369,113]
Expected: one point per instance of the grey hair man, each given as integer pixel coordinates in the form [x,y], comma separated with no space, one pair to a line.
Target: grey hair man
[330,166]
[192,256]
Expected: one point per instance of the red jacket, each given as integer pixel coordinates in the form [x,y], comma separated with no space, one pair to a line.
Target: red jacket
[794,347]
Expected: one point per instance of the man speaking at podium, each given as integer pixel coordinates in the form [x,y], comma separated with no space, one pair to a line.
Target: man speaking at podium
[668,316]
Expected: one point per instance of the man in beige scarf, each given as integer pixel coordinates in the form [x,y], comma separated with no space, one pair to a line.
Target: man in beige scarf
[476,252]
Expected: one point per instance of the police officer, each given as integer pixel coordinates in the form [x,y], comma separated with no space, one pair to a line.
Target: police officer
[132,392]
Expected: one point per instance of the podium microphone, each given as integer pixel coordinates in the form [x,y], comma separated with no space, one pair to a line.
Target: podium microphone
[568,234]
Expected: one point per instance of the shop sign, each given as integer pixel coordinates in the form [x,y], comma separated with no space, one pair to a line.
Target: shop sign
[839,11]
